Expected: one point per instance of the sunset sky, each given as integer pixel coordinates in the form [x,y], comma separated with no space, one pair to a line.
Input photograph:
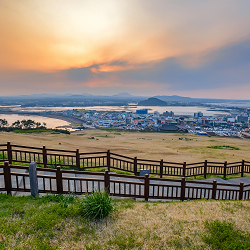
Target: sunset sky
[190,48]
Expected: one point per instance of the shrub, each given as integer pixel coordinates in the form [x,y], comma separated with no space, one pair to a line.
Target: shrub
[223,236]
[224,147]
[97,205]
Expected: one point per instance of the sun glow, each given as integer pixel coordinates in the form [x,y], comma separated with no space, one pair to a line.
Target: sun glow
[107,39]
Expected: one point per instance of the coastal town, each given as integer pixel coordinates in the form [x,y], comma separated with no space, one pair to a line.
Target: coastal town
[233,124]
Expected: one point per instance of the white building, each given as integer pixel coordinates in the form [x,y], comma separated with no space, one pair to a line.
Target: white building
[106,123]
[87,115]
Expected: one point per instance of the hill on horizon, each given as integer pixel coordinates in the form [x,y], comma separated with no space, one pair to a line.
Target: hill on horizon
[152,101]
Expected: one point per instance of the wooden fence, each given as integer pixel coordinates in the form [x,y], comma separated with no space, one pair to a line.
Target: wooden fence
[73,158]
[15,178]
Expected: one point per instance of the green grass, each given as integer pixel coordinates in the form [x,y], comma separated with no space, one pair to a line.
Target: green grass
[210,176]
[31,223]
[29,131]
[223,236]
[224,147]
[5,157]
[56,221]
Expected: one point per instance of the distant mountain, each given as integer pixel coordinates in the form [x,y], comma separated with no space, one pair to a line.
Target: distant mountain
[80,96]
[33,96]
[152,101]
[120,96]
[174,98]
[124,94]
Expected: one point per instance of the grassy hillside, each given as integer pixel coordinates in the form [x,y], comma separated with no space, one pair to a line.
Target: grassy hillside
[167,146]
[52,222]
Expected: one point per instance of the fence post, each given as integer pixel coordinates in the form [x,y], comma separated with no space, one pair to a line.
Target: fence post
[78,159]
[241,190]
[184,169]
[33,179]
[107,181]
[9,150]
[183,188]
[7,177]
[242,167]
[135,166]
[59,183]
[146,187]
[214,189]
[225,170]
[161,168]
[108,159]
[205,169]
[44,156]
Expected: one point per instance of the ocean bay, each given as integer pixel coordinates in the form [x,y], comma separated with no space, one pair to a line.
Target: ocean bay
[178,110]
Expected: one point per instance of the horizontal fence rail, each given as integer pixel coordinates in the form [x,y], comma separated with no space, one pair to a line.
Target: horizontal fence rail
[14,178]
[47,157]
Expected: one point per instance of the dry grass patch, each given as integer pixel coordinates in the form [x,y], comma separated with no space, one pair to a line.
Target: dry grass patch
[155,146]
[175,225]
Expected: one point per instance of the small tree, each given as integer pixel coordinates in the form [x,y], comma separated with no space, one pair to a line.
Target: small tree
[38,124]
[17,124]
[28,124]
[3,123]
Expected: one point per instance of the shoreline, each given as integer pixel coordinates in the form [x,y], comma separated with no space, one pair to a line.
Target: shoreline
[71,120]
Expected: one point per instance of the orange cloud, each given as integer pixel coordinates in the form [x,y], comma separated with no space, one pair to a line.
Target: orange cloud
[50,35]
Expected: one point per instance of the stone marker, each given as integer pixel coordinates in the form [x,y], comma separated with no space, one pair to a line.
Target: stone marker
[143,172]
[33,179]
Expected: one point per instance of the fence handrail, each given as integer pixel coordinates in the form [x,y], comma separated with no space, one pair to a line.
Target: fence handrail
[153,161]
[60,155]
[73,158]
[122,156]
[196,163]
[232,163]
[230,185]
[93,153]
[213,162]
[194,166]
[174,163]
[179,189]
[126,176]
[20,146]
[61,150]
[25,151]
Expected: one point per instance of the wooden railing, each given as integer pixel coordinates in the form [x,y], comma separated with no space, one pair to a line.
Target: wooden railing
[15,178]
[73,158]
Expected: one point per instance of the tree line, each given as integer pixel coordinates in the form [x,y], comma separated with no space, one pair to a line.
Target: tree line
[28,126]
[23,124]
